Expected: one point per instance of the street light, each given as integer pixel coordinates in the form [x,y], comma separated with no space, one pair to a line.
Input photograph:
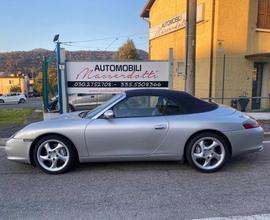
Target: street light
[56,38]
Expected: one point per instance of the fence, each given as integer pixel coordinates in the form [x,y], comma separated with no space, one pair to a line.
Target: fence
[244,103]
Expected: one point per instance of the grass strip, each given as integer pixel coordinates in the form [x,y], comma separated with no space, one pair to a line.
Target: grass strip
[15,115]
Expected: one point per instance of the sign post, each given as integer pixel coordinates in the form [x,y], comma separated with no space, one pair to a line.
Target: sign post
[63,80]
[59,76]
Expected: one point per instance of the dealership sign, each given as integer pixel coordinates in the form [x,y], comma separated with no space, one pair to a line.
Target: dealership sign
[175,23]
[87,77]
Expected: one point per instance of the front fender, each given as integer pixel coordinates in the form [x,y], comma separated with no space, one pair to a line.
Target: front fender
[71,129]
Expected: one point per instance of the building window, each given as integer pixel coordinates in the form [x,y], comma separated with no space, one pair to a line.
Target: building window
[264,14]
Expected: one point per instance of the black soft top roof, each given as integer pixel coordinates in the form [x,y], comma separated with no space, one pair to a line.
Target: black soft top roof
[188,103]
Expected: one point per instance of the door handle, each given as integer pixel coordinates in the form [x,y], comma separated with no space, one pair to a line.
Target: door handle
[160,127]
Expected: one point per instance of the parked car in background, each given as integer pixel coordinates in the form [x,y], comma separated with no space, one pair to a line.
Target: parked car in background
[15,97]
[33,94]
[82,101]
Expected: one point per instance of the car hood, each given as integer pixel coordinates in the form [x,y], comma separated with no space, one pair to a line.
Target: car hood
[72,115]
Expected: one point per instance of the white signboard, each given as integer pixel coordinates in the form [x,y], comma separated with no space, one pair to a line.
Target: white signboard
[110,77]
[175,23]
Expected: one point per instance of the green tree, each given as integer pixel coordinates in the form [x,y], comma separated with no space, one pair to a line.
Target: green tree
[38,83]
[128,51]
[52,82]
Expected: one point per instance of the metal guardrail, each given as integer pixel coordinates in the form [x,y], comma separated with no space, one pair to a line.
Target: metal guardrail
[241,103]
[244,103]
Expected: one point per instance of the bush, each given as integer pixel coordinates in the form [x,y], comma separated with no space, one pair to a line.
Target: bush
[15,89]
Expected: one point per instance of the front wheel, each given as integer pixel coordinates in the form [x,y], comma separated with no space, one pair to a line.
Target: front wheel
[54,154]
[2,101]
[207,152]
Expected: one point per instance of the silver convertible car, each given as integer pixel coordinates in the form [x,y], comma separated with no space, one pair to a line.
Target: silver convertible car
[139,125]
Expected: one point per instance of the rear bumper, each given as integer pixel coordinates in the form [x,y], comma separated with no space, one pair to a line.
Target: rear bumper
[246,140]
[18,150]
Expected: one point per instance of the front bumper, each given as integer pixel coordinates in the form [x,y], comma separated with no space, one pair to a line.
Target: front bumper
[18,150]
[246,140]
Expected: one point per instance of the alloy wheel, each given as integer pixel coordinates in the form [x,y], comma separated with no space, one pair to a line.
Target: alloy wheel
[53,155]
[208,153]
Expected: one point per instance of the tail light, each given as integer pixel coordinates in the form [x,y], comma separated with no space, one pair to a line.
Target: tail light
[250,124]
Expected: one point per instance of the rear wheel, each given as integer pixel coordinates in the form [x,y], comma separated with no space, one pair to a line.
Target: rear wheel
[2,101]
[207,152]
[22,101]
[54,154]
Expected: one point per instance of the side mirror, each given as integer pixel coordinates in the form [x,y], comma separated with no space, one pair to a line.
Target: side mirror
[108,114]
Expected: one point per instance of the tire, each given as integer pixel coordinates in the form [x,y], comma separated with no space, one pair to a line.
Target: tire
[2,101]
[207,152]
[21,101]
[51,158]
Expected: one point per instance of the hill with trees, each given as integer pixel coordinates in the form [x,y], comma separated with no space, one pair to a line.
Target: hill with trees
[30,62]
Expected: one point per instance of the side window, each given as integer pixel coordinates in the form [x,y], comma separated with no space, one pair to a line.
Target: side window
[173,108]
[140,106]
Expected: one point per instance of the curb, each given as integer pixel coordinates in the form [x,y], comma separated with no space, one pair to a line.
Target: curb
[3,141]
[266,134]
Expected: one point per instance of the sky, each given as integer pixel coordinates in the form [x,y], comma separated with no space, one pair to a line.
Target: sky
[102,24]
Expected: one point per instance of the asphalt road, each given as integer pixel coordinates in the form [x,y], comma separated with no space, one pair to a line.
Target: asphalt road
[142,190]
[35,103]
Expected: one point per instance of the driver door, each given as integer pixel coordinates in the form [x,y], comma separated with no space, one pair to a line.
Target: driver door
[137,128]
[8,98]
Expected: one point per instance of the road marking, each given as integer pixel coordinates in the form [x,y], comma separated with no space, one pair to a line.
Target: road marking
[250,217]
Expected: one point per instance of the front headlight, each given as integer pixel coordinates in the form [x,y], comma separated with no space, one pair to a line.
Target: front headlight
[13,136]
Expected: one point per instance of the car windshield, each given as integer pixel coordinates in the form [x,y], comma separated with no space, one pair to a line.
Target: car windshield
[96,110]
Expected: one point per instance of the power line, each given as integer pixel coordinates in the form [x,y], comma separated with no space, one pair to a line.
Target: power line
[138,36]
[84,47]
[107,38]
[116,39]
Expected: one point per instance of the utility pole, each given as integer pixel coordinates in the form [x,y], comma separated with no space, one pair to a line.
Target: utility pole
[171,60]
[191,46]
